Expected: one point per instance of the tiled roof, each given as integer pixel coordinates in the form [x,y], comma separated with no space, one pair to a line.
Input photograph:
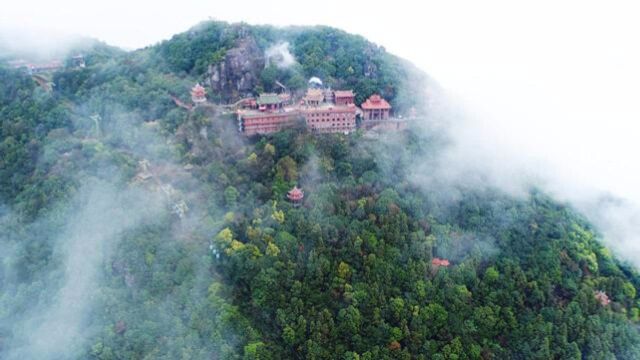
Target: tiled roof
[268,99]
[295,193]
[344,93]
[439,262]
[314,95]
[375,102]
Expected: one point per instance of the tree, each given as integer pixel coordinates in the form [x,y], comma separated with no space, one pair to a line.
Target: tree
[268,76]
[287,169]
[231,196]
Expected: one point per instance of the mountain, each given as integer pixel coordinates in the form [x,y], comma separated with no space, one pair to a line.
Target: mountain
[135,224]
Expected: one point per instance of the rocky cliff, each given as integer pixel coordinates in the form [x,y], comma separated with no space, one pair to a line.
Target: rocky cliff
[239,72]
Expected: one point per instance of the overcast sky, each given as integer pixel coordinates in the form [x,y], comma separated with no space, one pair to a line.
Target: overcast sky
[553,84]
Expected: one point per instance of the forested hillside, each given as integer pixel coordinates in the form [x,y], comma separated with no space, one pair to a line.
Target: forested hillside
[133,228]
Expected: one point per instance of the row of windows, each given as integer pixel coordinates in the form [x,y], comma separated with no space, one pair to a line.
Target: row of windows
[329,120]
[262,130]
[266,121]
[267,118]
[264,127]
[332,130]
[343,125]
[327,114]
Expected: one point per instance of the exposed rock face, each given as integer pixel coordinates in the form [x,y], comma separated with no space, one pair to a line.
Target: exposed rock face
[239,72]
[370,67]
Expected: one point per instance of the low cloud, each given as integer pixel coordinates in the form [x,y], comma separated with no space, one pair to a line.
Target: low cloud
[515,148]
[58,324]
[279,55]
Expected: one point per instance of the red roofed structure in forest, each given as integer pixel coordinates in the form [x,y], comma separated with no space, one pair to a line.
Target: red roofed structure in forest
[437,262]
[198,94]
[296,194]
[602,298]
[376,108]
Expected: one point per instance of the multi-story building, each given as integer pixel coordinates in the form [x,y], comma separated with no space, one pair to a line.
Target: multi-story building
[251,122]
[330,118]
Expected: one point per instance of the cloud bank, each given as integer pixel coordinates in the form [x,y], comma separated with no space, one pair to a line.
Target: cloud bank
[58,325]
[279,55]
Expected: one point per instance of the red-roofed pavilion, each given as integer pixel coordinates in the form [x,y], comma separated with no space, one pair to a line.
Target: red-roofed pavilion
[198,94]
[295,195]
[437,262]
[376,108]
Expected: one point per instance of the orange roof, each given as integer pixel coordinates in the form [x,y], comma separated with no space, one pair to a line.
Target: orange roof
[344,93]
[295,194]
[314,95]
[375,102]
[439,262]
[602,297]
[198,91]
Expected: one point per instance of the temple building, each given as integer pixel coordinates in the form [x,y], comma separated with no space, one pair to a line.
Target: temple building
[375,108]
[314,97]
[269,102]
[270,116]
[295,195]
[78,61]
[198,94]
[329,96]
[285,98]
[31,68]
[602,298]
[437,262]
[253,122]
[248,103]
[323,110]
[344,97]
[46,67]
[331,118]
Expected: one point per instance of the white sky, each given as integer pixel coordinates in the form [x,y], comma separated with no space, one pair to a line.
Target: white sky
[555,82]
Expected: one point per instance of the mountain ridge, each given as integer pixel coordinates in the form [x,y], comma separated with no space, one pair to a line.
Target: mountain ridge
[216,261]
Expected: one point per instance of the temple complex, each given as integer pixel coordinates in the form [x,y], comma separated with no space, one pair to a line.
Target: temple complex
[322,109]
[375,108]
[32,68]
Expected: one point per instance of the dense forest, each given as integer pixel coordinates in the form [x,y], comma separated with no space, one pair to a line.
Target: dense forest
[133,228]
